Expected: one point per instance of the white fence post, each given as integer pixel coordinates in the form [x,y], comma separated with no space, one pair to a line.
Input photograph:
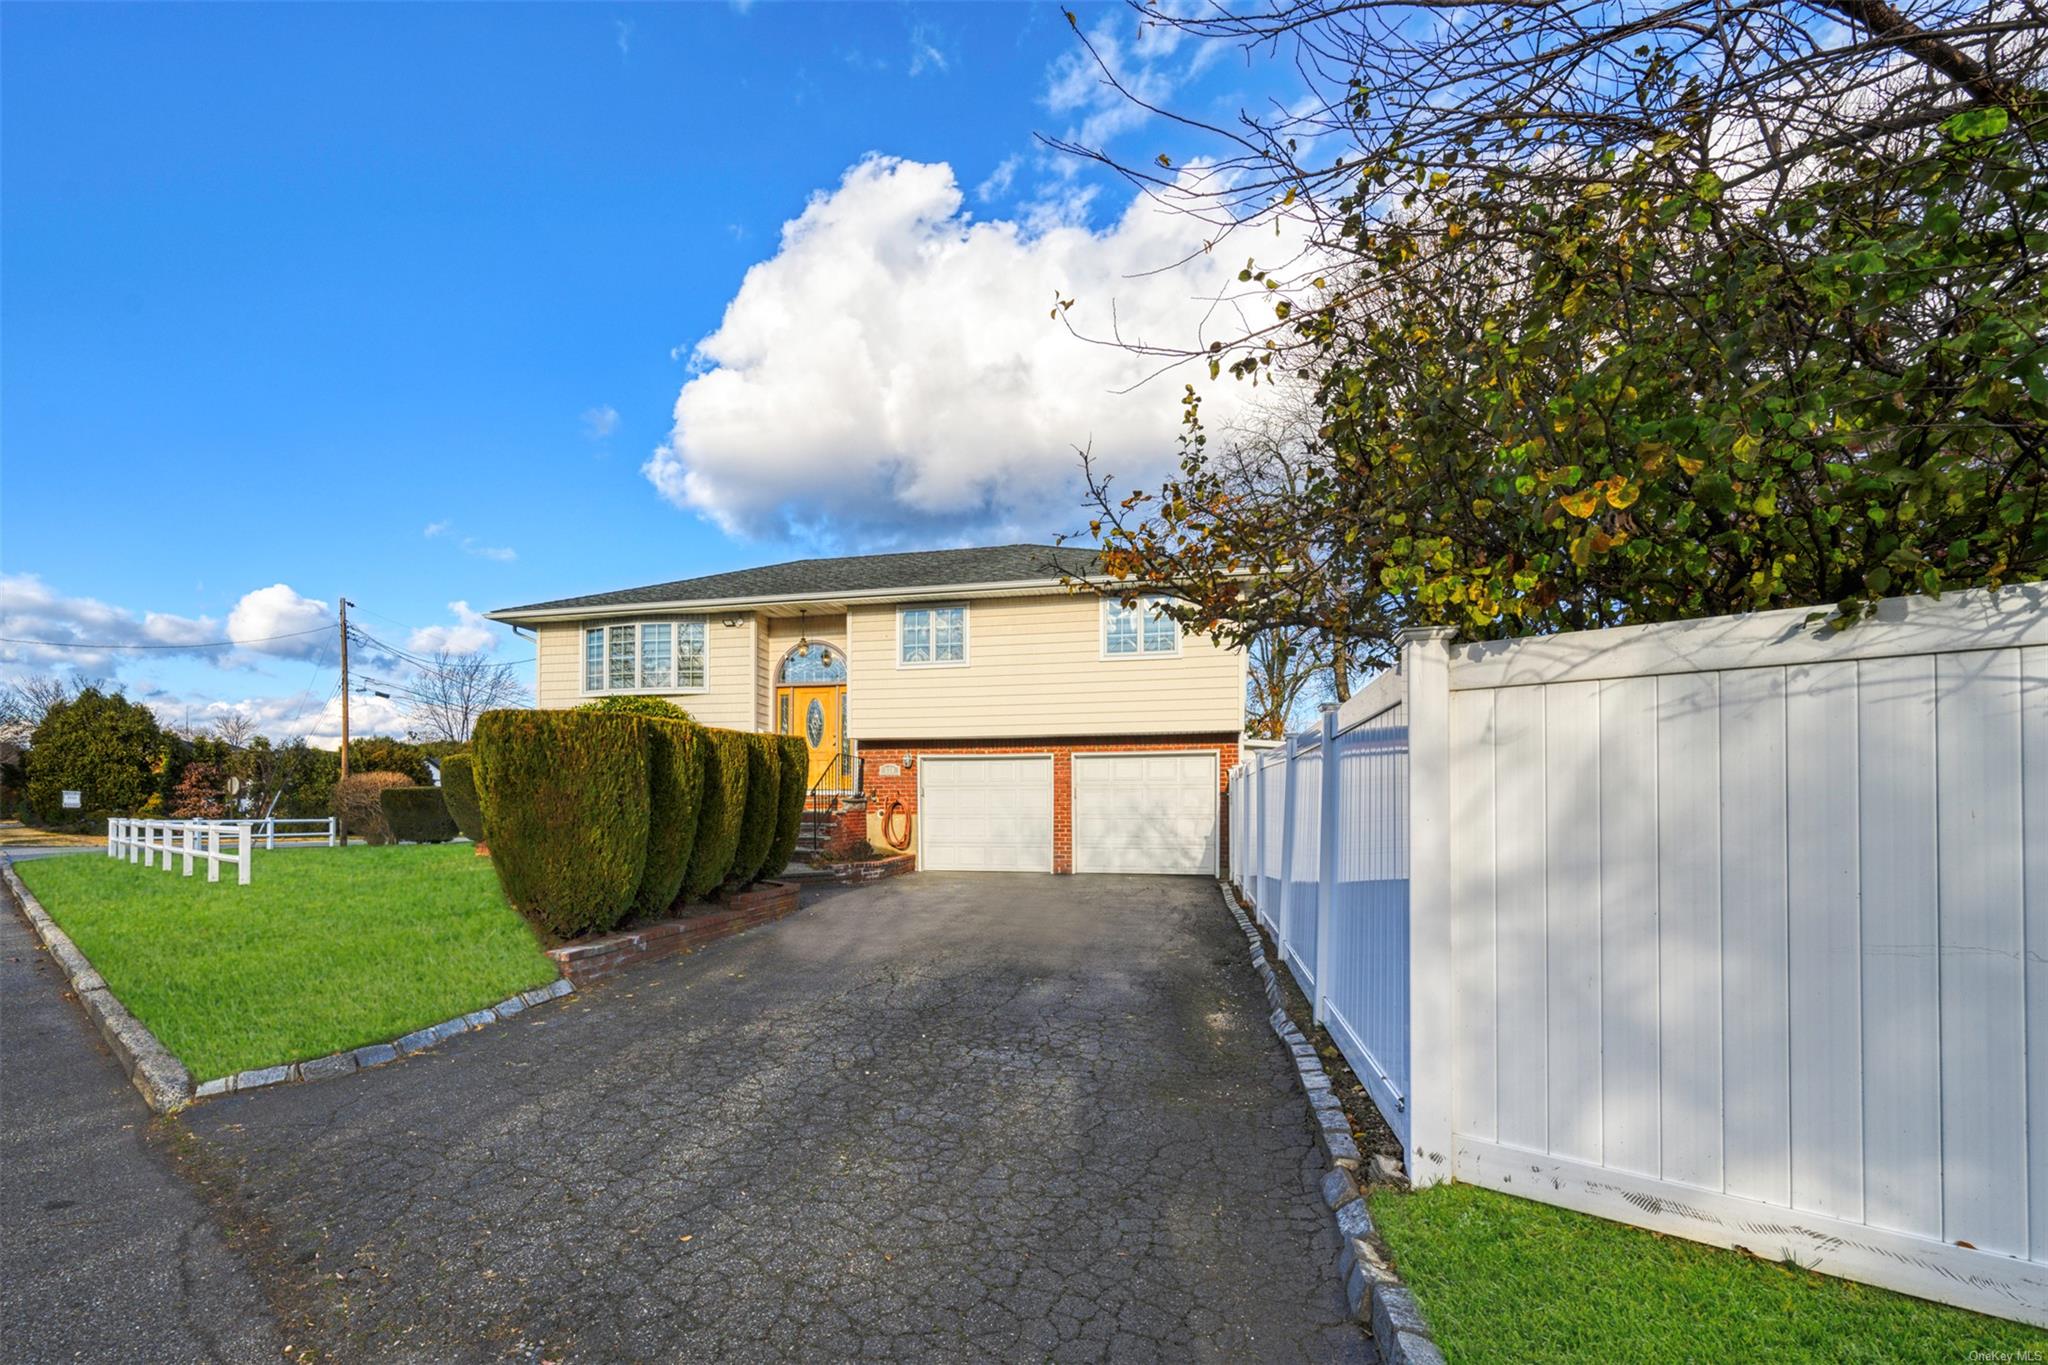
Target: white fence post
[213,851]
[1254,822]
[1426,667]
[330,831]
[1282,923]
[188,850]
[1328,837]
[247,833]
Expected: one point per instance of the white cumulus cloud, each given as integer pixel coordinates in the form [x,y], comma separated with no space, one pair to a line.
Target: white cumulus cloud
[469,634]
[280,622]
[41,627]
[892,370]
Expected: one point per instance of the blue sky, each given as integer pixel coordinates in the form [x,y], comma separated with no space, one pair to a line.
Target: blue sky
[401,301]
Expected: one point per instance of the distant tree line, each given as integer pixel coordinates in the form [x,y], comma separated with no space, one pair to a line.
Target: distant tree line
[82,735]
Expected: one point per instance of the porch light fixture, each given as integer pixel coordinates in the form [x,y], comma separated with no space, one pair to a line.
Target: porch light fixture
[730,621]
[803,640]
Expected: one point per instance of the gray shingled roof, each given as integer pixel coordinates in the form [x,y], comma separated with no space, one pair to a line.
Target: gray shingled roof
[987,565]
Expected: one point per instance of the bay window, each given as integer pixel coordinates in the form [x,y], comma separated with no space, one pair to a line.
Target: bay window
[645,656]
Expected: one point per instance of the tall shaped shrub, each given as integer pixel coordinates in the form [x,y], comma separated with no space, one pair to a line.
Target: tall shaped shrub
[458,789]
[357,803]
[764,798]
[675,791]
[565,798]
[723,805]
[789,815]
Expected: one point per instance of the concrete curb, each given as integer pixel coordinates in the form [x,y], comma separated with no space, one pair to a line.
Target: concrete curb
[378,1054]
[1385,1305]
[167,1086]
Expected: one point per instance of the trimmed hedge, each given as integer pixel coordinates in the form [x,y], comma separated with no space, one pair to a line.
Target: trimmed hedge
[723,805]
[764,799]
[789,816]
[565,798]
[675,792]
[653,707]
[458,789]
[417,815]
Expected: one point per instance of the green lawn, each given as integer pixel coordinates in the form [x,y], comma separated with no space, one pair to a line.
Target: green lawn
[1511,1280]
[325,948]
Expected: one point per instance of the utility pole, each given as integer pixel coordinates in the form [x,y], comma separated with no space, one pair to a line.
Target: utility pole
[341,819]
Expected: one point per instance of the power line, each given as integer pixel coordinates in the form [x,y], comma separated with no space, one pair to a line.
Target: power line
[363,637]
[197,644]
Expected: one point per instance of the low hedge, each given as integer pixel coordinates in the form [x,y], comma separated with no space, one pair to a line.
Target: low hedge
[723,806]
[458,789]
[565,798]
[764,799]
[417,815]
[675,793]
[789,816]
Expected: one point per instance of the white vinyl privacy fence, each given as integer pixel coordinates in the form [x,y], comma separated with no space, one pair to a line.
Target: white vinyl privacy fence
[1736,929]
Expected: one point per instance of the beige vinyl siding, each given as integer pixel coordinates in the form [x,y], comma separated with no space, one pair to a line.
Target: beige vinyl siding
[733,658]
[779,635]
[1035,667]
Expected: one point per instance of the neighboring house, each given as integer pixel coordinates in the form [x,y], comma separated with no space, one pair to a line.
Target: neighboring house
[973,705]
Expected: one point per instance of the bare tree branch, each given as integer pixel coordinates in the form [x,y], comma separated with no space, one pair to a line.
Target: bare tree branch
[446,698]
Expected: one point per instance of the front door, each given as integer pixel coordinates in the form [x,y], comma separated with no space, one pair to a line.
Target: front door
[818,713]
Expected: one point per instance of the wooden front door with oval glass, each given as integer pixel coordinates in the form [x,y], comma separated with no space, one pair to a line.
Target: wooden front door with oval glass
[818,713]
[810,700]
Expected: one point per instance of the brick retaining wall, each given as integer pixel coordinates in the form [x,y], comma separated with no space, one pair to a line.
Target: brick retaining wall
[598,958]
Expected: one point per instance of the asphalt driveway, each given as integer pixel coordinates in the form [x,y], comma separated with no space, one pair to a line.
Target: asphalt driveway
[942,1117]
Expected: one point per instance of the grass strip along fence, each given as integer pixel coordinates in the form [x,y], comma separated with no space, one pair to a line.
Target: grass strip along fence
[600,813]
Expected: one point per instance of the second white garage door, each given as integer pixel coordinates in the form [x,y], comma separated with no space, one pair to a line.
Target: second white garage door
[1145,813]
[985,814]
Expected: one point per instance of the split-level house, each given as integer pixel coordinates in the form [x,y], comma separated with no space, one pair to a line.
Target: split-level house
[985,709]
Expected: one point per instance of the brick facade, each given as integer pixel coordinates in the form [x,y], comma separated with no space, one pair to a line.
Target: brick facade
[884,792]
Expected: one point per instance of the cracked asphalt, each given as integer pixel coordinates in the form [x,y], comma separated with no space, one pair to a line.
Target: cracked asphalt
[940,1117]
[105,1254]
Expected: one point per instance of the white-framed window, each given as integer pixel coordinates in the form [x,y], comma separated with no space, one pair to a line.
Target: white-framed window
[931,637]
[1143,629]
[645,656]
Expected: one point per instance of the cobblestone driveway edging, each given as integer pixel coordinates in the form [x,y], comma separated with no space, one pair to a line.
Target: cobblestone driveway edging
[1374,1291]
[166,1086]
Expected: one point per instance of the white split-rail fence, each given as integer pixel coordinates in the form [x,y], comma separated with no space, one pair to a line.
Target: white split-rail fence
[1735,928]
[148,841]
[189,841]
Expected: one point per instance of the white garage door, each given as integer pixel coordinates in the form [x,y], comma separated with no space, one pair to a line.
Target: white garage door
[985,814]
[1145,813]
